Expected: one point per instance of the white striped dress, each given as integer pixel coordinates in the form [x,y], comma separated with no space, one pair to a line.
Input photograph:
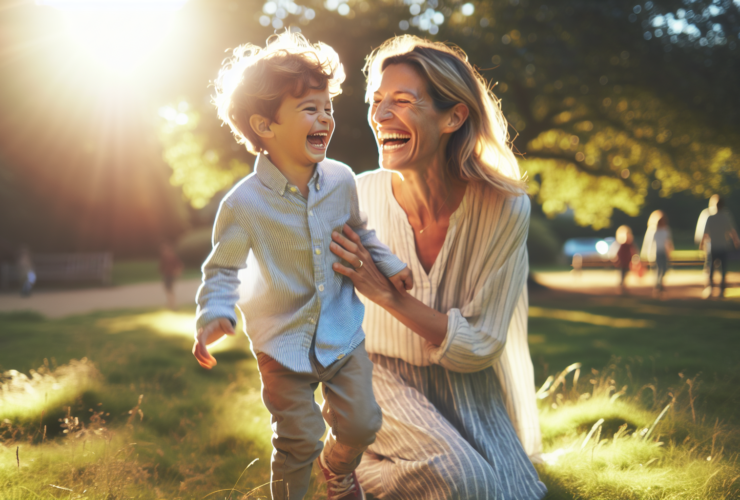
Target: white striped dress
[446,433]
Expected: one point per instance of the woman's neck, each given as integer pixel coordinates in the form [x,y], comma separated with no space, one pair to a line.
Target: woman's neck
[428,195]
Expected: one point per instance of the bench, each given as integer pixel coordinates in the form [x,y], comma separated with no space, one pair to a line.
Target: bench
[678,258]
[64,268]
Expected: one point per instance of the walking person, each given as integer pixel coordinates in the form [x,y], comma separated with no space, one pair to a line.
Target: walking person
[719,238]
[170,268]
[26,271]
[657,246]
[623,255]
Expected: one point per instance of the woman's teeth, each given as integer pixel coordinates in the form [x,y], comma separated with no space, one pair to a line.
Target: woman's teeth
[393,140]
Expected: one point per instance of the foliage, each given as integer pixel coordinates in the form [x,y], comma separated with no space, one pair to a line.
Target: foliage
[607,100]
[201,171]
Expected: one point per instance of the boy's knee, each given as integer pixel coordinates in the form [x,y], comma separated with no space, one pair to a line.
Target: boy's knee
[360,431]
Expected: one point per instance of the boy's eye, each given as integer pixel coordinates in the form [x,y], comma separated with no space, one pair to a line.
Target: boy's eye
[310,108]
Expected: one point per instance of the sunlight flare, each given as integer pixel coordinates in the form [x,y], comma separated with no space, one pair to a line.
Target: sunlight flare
[118,34]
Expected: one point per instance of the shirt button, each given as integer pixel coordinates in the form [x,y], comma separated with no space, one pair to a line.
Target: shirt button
[310,212]
[317,186]
[318,251]
[312,321]
[293,189]
[340,356]
[321,288]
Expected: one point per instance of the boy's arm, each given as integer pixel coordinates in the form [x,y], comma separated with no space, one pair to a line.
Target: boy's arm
[386,262]
[218,294]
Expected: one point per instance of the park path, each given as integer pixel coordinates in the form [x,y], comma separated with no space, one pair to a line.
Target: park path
[60,303]
[681,284]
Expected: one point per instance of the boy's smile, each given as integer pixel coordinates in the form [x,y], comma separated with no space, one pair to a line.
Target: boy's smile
[303,128]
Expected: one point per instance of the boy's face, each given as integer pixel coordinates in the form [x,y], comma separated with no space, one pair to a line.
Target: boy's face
[303,128]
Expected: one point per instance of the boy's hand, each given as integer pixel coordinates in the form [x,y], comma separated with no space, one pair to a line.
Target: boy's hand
[212,332]
[403,281]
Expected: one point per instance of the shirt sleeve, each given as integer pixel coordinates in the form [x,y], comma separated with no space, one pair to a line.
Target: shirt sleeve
[477,331]
[219,293]
[386,262]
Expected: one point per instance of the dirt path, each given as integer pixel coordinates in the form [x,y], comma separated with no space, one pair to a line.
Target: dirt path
[679,284]
[60,303]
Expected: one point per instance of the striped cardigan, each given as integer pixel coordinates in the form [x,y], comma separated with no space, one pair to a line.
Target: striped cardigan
[478,280]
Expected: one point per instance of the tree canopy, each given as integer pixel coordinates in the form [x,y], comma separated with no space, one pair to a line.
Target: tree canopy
[609,103]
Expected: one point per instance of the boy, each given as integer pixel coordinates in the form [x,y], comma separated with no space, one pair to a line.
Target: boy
[303,319]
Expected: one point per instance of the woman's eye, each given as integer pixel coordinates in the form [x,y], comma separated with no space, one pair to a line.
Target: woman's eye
[403,101]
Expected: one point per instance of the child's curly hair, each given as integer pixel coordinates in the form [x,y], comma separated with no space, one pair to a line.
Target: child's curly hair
[256,80]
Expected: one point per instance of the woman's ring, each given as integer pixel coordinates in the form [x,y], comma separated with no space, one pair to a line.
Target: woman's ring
[360,266]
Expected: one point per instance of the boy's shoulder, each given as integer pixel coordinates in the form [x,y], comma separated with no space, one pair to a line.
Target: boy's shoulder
[337,169]
[242,190]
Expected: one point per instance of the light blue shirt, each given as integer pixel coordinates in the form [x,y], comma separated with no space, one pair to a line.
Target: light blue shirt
[290,291]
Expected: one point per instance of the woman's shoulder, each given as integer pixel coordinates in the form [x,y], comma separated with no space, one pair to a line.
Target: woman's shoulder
[373,184]
[487,199]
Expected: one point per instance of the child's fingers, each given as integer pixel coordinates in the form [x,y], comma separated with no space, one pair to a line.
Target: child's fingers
[399,285]
[409,282]
[202,355]
[226,326]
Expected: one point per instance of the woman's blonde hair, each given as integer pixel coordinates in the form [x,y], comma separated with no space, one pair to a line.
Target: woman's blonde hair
[480,149]
[256,80]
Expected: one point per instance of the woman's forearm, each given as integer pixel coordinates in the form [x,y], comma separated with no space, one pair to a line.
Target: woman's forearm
[426,322]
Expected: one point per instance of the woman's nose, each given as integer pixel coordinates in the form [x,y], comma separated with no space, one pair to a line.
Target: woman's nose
[382,112]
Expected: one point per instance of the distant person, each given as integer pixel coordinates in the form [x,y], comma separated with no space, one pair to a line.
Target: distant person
[170,267]
[304,319]
[658,245]
[719,236]
[624,253]
[26,271]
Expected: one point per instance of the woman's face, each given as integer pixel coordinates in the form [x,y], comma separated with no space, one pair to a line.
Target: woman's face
[408,128]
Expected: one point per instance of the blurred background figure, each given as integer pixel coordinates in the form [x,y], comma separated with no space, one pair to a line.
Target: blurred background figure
[170,267]
[623,254]
[657,246]
[718,237]
[26,272]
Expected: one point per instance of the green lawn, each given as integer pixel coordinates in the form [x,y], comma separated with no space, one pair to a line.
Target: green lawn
[198,430]
[126,272]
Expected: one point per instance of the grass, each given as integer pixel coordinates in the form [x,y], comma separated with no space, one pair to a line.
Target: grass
[127,272]
[116,407]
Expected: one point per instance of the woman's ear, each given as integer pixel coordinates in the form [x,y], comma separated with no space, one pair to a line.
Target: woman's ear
[456,117]
[261,126]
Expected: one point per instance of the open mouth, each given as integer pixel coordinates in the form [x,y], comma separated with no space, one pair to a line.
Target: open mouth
[318,140]
[391,141]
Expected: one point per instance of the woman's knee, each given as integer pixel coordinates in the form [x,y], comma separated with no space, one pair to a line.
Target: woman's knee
[469,477]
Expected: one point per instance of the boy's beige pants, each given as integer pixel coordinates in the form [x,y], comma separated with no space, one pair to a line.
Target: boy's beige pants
[298,422]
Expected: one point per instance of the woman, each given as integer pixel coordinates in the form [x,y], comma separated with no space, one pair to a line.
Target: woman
[657,246]
[445,373]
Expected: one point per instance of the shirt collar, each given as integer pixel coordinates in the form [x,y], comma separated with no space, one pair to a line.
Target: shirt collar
[269,174]
[274,179]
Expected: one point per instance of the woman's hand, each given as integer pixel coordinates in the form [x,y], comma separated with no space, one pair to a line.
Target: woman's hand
[368,280]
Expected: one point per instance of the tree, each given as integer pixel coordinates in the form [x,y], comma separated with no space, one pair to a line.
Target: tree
[607,100]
